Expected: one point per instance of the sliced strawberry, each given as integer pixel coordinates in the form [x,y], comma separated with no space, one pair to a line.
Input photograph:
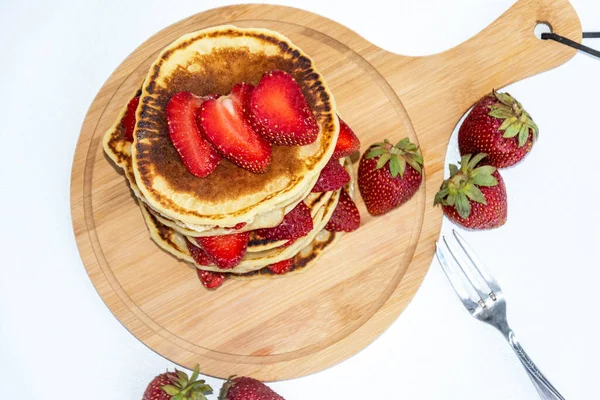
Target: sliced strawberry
[295,224]
[225,251]
[347,142]
[198,255]
[241,93]
[237,226]
[280,113]
[129,120]
[346,217]
[282,267]
[333,176]
[224,125]
[211,280]
[196,153]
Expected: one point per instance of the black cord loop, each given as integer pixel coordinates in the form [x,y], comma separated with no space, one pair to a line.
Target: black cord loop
[575,45]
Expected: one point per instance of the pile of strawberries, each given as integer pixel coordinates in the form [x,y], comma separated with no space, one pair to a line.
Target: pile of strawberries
[178,386]
[241,126]
[497,133]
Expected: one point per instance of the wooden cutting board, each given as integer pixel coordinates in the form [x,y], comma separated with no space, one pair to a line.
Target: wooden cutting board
[287,327]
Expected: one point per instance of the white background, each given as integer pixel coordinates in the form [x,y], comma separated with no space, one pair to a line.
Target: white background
[59,341]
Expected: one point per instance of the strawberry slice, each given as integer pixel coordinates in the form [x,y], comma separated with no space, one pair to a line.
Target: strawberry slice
[211,280]
[198,254]
[346,217]
[333,176]
[280,113]
[196,153]
[224,125]
[282,267]
[129,120]
[241,93]
[225,251]
[347,142]
[295,224]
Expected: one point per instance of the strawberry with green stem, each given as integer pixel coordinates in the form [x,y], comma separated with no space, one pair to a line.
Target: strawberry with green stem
[388,175]
[177,386]
[474,196]
[499,126]
[245,388]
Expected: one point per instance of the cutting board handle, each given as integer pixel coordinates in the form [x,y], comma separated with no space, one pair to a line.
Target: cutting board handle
[504,52]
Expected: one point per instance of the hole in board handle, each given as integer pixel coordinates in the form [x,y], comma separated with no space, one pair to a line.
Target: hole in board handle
[541,27]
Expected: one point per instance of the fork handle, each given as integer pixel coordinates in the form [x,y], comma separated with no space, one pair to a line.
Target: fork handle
[543,387]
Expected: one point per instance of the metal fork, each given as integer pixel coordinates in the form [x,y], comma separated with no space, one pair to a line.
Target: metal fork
[483,298]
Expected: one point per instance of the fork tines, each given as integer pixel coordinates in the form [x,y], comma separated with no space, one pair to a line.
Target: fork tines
[472,282]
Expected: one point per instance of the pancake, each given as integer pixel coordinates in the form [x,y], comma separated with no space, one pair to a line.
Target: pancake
[314,201]
[174,244]
[119,151]
[212,61]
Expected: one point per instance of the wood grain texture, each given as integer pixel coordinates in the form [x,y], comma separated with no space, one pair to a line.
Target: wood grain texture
[297,325]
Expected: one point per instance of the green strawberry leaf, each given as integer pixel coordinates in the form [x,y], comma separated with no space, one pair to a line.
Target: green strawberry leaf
[439,196]
[383,160]
[507,122]
[464,162]
[414,163]
[195,374]
[418,156]
[170,389]
[475,160]
[484,180]
[451,199]
[474,193]
[523,135]
[513,130]
[375,152]
[402,144]
[463,206]
[395,165]
[178,396]
[453,169]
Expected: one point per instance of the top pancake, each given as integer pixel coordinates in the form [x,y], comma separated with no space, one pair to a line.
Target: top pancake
[212,61]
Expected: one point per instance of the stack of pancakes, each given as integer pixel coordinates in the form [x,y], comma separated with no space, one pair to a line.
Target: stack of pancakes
[178,206]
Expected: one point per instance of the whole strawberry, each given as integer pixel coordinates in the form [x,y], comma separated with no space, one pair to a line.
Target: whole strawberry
[474,196]
[500,127]
[244,388]
[389,175]
[177,386]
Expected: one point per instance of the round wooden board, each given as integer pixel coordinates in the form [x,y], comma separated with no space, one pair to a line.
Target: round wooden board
[290,326]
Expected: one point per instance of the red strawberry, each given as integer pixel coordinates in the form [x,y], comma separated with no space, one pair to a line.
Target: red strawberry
[345,217]
[499,126]
[196,153]
[244,388]
[224,125]
[333,176]
[129,120]
[237,226]
[225,251]
[241,92]
[279,111]
[177,385]
[198,254]
[347,142]
[282,267]
[389,175]
[474,196]
[210,279]
[295,224]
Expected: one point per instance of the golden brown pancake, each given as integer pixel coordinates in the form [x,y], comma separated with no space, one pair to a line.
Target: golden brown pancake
[119,150]
[212,61]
